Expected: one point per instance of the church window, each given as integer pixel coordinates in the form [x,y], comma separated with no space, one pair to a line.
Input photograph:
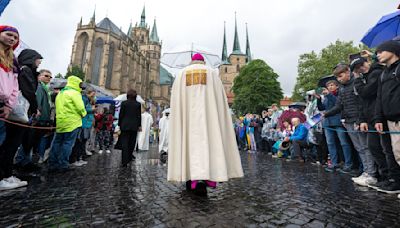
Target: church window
[82,45]
[237,68]
[226,69]
[110,65]
[98,54]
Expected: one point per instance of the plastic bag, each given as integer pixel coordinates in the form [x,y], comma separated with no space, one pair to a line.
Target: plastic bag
[20,111]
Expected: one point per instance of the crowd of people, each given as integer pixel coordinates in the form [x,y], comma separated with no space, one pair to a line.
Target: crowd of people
[350,124]
[60,122]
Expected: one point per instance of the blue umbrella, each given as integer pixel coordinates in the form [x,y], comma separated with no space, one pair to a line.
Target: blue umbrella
[387,28]
[105,100]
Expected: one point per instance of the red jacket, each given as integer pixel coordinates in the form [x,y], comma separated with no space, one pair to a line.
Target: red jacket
[104,122]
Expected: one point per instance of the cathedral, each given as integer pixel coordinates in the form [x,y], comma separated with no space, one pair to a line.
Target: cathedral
[231,65]
[119,61]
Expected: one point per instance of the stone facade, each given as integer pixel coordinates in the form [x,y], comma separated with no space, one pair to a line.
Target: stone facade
[117,61]
[229,71]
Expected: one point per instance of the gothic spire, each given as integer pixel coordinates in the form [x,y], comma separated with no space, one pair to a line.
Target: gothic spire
[224,49]
[154,35]
[248,52]
[236,45]
[143,19]
[93,19]
[130,29]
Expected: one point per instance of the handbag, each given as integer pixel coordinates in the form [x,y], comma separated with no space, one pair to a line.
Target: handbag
[19,113]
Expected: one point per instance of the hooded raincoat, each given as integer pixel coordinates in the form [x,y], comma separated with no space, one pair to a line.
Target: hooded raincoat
[69,106]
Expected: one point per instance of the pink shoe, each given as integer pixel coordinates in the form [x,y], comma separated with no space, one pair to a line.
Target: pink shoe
[211,184]
[193,184]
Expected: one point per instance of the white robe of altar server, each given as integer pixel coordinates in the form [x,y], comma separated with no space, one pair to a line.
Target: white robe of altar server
[202,143]
[144,135]
[164,132]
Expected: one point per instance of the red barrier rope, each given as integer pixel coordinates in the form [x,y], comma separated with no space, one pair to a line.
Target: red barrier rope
[26,126]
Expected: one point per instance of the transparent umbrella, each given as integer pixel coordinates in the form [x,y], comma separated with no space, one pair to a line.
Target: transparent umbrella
[181,59]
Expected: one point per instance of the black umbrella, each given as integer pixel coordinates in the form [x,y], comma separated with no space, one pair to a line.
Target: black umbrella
[322,82]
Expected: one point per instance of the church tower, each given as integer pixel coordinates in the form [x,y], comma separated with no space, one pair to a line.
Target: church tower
[141,32]
[237,58]
[154,54]
[231,65]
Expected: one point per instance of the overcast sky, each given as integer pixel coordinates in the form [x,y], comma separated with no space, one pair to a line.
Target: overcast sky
[279,30]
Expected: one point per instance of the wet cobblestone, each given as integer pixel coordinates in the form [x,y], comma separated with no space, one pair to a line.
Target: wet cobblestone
[273,193]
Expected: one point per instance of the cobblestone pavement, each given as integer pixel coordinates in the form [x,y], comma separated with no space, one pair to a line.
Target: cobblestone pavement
[273,193]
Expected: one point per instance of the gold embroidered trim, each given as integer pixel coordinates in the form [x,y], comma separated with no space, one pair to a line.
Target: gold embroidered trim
[196,77]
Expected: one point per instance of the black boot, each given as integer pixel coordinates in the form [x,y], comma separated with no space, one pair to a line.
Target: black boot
[201,189]
[188,185]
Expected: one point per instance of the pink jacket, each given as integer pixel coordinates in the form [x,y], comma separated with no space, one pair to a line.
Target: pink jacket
[8,87]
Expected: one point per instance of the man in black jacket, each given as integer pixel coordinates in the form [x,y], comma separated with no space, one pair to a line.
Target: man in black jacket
[388,101]
[348,103]
[129,121]
[366,84]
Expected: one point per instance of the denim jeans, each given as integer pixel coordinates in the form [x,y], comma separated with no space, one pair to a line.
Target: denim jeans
[23,157]
[45,142]
[360,143]
[61,149]
[344,143]
[2,132]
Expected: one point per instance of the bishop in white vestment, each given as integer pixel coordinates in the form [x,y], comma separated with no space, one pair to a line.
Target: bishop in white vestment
[144,135]
[202,144]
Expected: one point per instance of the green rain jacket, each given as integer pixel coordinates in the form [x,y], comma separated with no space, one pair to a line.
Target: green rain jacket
[69,106]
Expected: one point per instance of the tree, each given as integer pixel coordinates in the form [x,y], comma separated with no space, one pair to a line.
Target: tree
[313,66]
[255,88]
[76,71]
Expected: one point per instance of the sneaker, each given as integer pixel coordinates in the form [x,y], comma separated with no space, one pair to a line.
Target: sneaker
[108,151]
[367,180]
[77,164]
[41,160]
[88,153]
[390,188]
[100,151]
[17,181]
[5,185]
[275,156]
[379,184]
[331,169]
[362,176]
[83,162]
[316,163]
[345,170]
[46,154]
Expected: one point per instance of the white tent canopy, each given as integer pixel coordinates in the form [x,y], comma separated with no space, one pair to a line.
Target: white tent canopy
[123,97]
